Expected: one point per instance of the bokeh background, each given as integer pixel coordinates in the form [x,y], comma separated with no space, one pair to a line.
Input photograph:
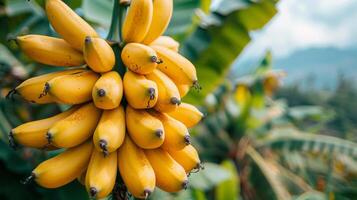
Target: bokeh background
[278,89]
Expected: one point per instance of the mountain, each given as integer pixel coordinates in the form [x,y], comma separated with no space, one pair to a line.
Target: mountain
[318,66]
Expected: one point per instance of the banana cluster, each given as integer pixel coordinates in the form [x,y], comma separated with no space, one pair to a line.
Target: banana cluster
[135,123]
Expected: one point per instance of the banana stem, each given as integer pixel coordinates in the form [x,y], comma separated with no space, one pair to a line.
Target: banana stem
[114,22]
[122,13]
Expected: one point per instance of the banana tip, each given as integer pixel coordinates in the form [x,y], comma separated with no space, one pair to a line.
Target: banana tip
[93,191]
[147,193]
[185,184]
[49,137]
[101,93]
[11,38]
[88,39]
[196,85]
[175,100]
[187,139]
[10,94]
[152,93]
[159,133]
[29,179]
[154,59]
[103,145]
[12,142]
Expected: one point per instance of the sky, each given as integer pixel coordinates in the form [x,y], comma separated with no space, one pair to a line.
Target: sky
[302,24]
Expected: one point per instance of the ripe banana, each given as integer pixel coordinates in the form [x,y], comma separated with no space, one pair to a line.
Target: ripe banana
[187,114]
[68,24]
[187,157]
[64,168]
[50,50]
[166,41]
[139,58]
[183,89]
[169,96]
[101,174]
[108,91]
[177,67]
[176,134]
[145,130]
[170,176]
[33,134]
[137,21]
[135,169]
[76,128]
[110,132]
[32,89]
[72,88]
[271,84]
[140,92]
[160,19]
[98,54]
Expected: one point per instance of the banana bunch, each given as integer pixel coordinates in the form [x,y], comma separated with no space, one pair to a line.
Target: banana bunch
[134,122]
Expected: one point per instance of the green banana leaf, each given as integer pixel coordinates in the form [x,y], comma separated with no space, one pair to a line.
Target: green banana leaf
[221,37]
[321,144]
[264,172]
[229,189]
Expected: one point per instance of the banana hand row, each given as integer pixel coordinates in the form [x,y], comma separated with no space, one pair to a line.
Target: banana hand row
[141,170]
[135,122]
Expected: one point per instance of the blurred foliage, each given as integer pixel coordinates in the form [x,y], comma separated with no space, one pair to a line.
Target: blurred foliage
[339,107]
[253,146]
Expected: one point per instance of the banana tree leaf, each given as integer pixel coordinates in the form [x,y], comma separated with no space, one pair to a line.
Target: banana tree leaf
[314,195]
[212,175]
[98,11]
[268,172]
[321,144]
[229,189]
[221,37]
[16,7]
[160,194]
[182,16]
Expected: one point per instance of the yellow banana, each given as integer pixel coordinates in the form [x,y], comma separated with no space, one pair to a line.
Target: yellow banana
[135,169]
[98,54]
[76,128]
[68,24]
[176,134]
[64,168]
[187,157]
[183,89]
[187,114]
[170,176]
[137,21]
[140,92]
[271,83]
[32,89]
[166,41]
[177,67]
[169,96]
[72,88]
[33,134]
[50,50]
[160,19]
[110,132]
[101,174]
[139,58]
[108,91]
[145,130]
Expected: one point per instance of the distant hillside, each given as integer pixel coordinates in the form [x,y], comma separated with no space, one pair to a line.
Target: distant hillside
[322,65]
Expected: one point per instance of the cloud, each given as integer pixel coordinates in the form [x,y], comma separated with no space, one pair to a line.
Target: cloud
[302,24]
